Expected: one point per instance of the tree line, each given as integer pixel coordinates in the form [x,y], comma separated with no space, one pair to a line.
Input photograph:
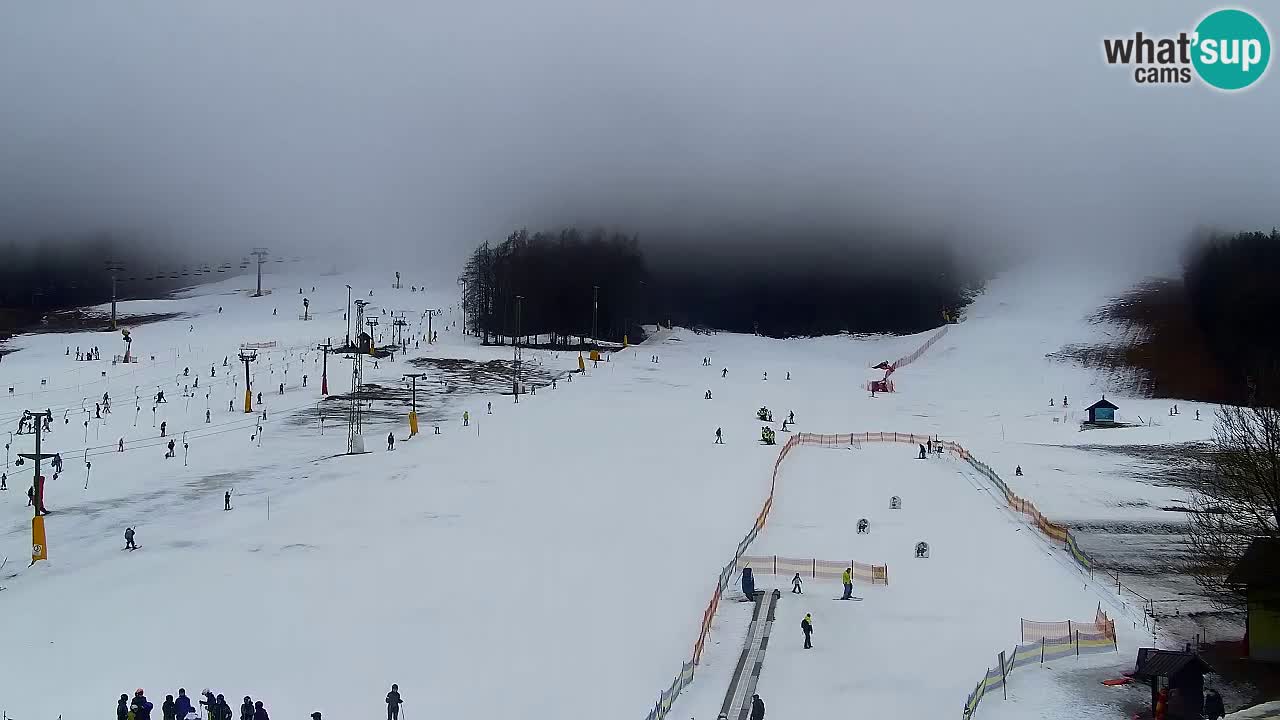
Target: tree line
[562,283]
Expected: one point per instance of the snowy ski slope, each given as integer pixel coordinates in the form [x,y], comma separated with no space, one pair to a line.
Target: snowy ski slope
[549,560]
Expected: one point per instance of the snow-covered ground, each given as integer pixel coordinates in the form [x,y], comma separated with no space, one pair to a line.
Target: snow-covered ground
[551,559]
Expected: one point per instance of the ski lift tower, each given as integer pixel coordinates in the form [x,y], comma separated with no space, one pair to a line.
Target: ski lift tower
[355,434]
[248,355]
[261,254]
[114,268]
[430,314]
[399,323]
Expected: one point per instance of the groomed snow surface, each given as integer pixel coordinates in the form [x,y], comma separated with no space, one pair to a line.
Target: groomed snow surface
[551,559]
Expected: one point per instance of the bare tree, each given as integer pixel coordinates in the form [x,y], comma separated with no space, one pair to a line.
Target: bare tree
[1238,498]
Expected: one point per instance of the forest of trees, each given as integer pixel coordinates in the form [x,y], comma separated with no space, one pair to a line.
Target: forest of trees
[822,286]
[1232,288]
[62,272]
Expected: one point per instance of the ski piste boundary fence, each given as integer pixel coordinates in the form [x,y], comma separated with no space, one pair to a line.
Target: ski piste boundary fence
[1056,533]
[1044,642]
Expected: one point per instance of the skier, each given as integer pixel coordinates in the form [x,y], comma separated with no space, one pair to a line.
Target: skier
[170,453]
[281,388]
[122,707]
[182,704]
[1050,402]
[206,417]
[847,579]
[394,702]
[304,381]
[391,441]
[4,481]
[231,405]
[141,706]
[1064,401]
[31,499]
[719,437]
[921,452]
[788,374]
[724,372]
[259,398]
[490,407]
[795,585]
[806,626]
[791,417]
[167,708]
[97,411]
[466,418]
[757,708]
[129,544]
[163,425]
[1197,414]
[120,445]
[226,500]
[707,396]
[1018,471]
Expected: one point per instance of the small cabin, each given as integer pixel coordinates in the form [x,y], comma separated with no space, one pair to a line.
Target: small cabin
[1179,675]
[1102,412]
[1256,575]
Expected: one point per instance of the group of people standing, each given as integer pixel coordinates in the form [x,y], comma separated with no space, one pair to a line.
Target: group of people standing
[215,707]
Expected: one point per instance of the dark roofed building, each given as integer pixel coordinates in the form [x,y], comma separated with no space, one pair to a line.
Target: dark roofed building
[1179,676]
[1258,574]
[1102,412]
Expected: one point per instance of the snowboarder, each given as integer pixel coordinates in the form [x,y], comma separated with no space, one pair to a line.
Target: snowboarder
[719,437]
[796,585]
[394,702]
[1018,471]
[391,441]
[1213,707]
[847,579]
[806,626]
[757,708]
[466,418]
[129,544]
[921,452]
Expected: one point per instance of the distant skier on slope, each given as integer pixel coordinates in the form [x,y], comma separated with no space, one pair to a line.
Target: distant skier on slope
[847,579]
[394,702]
[921,453]
[391,441]
[795,585]
[129,544]
[226,501]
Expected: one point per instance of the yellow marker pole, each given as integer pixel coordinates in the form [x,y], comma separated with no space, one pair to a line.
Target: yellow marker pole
[413,423]
[248,401]
[39,549]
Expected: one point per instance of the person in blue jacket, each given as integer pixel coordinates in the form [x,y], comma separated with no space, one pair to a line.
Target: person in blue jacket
[182,704]
[748,583]
[141,706]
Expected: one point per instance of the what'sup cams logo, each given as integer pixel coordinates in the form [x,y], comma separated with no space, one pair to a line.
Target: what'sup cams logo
[1229,50]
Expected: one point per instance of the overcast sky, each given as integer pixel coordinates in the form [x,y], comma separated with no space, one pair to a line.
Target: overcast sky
[424,127]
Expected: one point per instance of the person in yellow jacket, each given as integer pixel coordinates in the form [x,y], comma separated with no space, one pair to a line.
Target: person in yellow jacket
[848,583]
[466,418]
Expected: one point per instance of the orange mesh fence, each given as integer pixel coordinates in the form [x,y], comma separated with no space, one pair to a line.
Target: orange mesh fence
[864,573]
[1033,631]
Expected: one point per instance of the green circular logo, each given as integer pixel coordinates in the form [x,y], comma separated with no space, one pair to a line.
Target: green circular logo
[1232,49]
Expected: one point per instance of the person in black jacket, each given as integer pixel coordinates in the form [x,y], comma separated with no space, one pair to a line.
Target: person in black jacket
[393,702]
[122,708]
[246,709]
[259,712]
[1213,707]
[806,626]
[141,706]
[757,708]
[168,709]
[222,710]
